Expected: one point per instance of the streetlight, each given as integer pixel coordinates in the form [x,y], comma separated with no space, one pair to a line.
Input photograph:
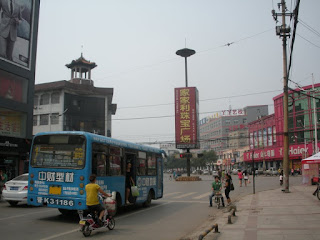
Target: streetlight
[186,52]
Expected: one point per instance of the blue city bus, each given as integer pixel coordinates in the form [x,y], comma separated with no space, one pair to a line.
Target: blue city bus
[61,163]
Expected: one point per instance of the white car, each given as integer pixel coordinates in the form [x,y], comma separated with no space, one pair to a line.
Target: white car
[16,190]
[206,172]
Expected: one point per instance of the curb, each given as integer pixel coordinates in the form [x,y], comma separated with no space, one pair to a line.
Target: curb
[216,230]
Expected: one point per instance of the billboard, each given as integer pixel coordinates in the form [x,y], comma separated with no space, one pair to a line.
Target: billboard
[186,117]
[16,28]
[13,87]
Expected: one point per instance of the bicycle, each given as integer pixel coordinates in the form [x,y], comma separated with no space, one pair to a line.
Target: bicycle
[218,198]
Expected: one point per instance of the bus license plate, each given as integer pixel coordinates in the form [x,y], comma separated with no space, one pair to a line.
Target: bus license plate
[56,190]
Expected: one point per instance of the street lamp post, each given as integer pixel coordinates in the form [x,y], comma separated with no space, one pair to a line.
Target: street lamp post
[186,52]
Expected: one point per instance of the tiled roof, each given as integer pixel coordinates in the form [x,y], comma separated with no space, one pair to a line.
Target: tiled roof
[81,61]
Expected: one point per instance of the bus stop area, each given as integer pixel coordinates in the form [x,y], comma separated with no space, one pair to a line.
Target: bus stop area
[271,215]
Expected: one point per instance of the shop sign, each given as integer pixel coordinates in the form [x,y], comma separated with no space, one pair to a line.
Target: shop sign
[8,144]
[186,117]
[266,154]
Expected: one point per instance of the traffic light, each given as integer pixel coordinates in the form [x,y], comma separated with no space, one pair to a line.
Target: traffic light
[185,155]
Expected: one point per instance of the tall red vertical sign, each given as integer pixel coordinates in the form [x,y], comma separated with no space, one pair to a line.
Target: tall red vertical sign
[187,115]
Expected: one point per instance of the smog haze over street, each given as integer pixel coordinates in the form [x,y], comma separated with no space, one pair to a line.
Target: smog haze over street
[238,60]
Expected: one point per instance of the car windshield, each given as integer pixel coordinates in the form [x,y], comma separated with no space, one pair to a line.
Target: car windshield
[21,178]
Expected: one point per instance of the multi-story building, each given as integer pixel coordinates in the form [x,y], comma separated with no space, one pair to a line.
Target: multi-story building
[17,77]
[74,105]
[266,134]
[214,131]
[169,148]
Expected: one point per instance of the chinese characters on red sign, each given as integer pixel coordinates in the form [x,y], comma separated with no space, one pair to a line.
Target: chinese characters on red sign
[186,113]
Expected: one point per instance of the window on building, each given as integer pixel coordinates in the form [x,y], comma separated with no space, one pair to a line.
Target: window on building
[55,118]
[55,98]
[35,100]
[244,120]
[236,121]
[44,119]
[35,120]
[44,100]
[228,122]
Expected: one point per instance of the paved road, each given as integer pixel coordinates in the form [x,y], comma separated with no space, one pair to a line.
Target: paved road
[183,209]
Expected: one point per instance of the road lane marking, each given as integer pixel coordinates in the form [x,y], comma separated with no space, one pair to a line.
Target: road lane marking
[183,201]
[184,195]
[78,228]
[170,194]
[23,215]
[202,196]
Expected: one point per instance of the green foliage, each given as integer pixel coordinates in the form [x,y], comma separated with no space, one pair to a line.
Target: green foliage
[208,157]
[175,163]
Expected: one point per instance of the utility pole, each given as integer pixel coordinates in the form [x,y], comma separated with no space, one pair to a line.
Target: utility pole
[284,32]
[315,121]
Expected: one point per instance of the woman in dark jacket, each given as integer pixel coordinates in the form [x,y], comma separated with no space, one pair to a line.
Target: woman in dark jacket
[227,187]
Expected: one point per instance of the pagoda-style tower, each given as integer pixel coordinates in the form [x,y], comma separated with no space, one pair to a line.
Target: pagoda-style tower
[81,71]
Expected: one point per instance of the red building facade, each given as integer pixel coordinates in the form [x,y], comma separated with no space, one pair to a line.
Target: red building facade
[266,134]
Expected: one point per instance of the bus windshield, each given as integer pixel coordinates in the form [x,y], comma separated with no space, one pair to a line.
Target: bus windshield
[59,151]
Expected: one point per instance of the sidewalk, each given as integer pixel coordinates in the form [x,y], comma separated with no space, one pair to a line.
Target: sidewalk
[273,215]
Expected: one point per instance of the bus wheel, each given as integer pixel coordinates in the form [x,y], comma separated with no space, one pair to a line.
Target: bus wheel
[147,203]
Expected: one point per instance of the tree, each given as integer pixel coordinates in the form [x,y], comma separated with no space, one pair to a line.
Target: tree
[206,158]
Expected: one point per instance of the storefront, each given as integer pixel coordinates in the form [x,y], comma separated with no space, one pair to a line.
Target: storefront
[14,155]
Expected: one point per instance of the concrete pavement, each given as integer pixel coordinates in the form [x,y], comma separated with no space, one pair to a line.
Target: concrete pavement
[272,215]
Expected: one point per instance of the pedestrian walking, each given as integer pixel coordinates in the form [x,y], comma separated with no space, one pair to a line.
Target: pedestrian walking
[228,188]
[245,177]
[240,177]
[281,179]
[3,179]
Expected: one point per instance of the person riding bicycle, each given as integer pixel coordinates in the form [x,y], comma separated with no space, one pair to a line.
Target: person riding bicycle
[92,197]
[216,190]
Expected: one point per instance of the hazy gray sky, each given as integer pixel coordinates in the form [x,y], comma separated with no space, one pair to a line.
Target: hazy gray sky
[133,42]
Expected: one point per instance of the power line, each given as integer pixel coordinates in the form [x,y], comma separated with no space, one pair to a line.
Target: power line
[311,29]
[308,41]
[176,58]
[204,100]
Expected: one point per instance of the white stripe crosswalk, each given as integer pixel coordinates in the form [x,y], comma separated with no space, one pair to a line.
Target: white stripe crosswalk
[192,195]
[205,195]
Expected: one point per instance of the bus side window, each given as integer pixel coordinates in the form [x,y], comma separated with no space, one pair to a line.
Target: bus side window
[101,164]
[94,163]
[151,165]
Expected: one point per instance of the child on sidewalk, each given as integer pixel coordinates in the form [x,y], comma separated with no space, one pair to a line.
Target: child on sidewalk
[281,179]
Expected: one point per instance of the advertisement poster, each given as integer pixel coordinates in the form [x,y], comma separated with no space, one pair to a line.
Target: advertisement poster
[11,123]
[186,117]
[13,87]
[16,26]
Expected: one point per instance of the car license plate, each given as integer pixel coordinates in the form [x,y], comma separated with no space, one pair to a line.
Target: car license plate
[14,188]
[56,190]
[82,222]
